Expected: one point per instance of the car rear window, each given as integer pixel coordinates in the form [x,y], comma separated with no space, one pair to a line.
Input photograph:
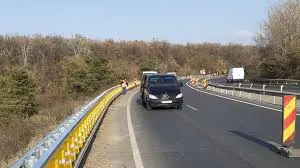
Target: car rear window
[162,80]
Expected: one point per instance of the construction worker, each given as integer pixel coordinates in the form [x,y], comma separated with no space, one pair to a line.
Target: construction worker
[124,86]
[126,81]
[135,81]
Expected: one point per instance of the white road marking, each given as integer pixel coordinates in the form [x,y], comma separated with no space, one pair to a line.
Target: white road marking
[192,107]
[135,149]
[240,101]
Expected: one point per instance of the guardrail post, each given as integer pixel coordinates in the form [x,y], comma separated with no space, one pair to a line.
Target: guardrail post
[259,97]
[226,91]
[62,160]
[68,156]
[240,93]
[73,149]
[232,92]
[281,87]
[30,162]
[251,85]
[76,143]
[80,141]
[274,99]
[264,87]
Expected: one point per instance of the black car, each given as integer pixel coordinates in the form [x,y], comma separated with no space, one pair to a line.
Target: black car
[143,79]
[161,90]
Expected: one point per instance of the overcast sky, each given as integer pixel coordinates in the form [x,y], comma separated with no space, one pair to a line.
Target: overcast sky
[177,21]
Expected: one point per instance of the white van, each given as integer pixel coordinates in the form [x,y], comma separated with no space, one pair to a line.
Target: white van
[235,75]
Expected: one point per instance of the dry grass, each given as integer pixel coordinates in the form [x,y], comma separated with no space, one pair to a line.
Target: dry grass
[18,135]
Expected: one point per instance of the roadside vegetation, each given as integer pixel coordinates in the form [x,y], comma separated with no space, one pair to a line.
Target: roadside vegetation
[279,41]
[43,78]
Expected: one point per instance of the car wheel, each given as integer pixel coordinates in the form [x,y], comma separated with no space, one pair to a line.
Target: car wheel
[179,107]
[148,106]
[143,100]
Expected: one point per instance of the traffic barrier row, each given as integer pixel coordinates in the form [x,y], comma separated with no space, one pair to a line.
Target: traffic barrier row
[198,81]
[66,145]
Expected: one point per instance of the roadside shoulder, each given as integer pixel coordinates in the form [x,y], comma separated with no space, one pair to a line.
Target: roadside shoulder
[111,147]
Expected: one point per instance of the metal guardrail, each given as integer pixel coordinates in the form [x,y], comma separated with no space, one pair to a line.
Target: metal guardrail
[264,91]
[274,81]
[260,95]
[66,145]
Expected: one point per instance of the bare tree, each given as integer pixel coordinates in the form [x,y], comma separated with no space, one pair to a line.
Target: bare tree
[279,37]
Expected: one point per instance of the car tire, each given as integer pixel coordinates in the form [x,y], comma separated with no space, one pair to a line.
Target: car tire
[143,99]
[148,106]
[179,107]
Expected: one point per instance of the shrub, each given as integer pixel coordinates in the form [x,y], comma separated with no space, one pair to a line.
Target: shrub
[86,76]
[17,91]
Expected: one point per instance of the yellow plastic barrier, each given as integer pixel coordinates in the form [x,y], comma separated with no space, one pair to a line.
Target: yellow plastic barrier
[133,84]
[205,83]
[66,154]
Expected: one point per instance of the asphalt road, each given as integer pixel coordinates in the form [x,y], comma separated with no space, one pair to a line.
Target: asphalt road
[208,132]
[286,88]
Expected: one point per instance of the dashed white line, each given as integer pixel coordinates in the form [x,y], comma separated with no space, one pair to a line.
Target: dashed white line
[193,108]
[240,101]
[135,149]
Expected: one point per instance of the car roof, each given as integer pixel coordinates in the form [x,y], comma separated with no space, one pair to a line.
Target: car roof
[150,75]
[149,72]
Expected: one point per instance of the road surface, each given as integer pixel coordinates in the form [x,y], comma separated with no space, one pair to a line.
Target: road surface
[209,132]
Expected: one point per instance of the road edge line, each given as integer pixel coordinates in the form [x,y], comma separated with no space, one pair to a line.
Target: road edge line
[135,149]
[191,107]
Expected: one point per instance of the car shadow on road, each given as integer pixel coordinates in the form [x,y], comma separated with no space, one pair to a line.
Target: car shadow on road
[139,101]
[261,142]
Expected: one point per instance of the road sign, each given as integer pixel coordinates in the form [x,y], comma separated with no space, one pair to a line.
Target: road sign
[289,120]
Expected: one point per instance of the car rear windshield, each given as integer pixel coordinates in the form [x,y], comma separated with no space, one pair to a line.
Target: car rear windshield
[162,80]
